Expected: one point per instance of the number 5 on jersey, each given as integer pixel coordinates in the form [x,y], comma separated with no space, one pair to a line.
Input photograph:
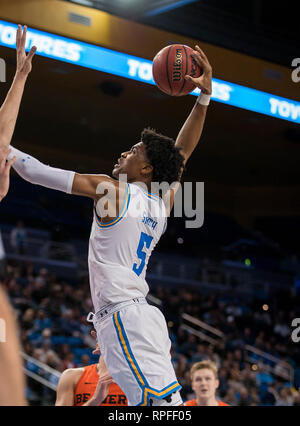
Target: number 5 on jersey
[145,239]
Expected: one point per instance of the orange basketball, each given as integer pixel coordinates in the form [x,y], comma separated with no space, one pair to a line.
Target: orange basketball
[170,65]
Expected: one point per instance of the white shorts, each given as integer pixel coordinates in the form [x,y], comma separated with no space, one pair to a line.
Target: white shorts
[134,341]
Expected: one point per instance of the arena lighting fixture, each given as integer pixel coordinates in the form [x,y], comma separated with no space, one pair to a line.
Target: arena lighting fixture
[247,262]
[139,69]
[265,307]
[141,7]
[166,6]
[84,2]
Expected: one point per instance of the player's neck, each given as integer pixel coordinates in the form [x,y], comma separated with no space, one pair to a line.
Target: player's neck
[208,402]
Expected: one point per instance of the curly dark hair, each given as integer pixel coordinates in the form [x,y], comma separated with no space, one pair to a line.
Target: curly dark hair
[166,159]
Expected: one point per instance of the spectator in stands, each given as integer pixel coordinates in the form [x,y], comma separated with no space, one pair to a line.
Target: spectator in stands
[41,321]
[200,353]
[69,322]
[213,355]
[43,277]
[269,397]
[284,398]
[48,355]
[248,376]
[296,402]
[68,362]
[235,377]
[186,383]
[27,320]
[281,328]
[244,398]
[204,377]
[39,292]
[182,365]
[223,382]
[189,347]
[282,368]
[85,360]
[18,238]
[263,379]
[230,397]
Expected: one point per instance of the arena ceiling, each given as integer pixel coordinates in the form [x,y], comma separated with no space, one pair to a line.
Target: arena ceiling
[260,28]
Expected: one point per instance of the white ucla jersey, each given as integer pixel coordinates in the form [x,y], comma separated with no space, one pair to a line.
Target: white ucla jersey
[119,250]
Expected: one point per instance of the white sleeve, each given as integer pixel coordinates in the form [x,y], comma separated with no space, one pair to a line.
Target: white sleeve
[32,170]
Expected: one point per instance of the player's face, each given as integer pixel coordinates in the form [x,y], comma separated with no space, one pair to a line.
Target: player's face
[204,383]
[132,163]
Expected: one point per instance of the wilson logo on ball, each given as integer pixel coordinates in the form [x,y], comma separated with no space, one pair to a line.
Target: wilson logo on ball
[177,66]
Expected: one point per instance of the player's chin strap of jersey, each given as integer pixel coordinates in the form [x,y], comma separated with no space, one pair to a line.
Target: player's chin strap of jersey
[32,170]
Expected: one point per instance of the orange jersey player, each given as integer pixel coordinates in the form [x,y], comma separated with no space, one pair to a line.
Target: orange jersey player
[205,382]
[89,386]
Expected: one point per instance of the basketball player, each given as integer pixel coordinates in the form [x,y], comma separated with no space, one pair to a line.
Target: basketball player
[12,383]
[133,335]
[205,382]
[89,386]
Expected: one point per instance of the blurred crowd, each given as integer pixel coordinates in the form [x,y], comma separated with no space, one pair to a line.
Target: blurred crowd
[52,316]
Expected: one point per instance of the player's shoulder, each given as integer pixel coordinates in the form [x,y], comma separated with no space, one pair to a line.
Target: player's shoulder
[191,402]
[71,374]
[222,404]
[104,184]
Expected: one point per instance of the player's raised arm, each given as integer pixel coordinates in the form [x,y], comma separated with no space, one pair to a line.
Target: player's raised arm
[10,108]
[191,131]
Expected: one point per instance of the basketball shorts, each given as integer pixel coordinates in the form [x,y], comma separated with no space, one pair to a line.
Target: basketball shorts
[134,341]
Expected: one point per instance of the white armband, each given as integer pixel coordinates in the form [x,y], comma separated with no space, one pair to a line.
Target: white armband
[203,99]
[32,170]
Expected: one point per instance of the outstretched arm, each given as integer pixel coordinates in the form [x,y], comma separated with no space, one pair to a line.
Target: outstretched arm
[10,108]
[109,194]
[191,131]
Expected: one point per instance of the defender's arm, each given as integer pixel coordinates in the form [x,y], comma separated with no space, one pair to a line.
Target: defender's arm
[10,108]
